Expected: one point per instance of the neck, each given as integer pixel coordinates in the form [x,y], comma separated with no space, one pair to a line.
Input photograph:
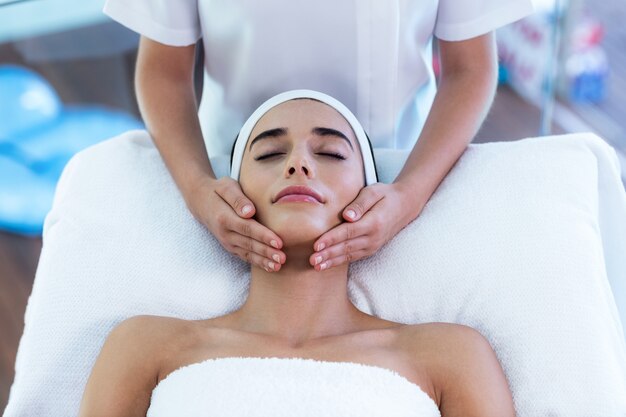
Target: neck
[297,303]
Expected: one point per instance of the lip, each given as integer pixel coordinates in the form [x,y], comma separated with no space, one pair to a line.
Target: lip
[299,193]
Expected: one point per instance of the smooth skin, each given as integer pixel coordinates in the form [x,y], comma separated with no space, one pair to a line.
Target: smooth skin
[164,84]
[297,311]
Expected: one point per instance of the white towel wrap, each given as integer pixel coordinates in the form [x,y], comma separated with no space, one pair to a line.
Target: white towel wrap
[240,386]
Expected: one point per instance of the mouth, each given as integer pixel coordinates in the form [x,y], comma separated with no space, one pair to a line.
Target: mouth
[298,193]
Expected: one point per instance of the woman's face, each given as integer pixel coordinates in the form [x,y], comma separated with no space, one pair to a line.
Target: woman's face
[301,143]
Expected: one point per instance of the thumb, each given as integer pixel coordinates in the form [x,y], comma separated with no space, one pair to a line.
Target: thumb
[366,199]
[234,196]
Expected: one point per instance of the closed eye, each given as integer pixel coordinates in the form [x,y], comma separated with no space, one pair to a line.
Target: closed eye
[333,155]
[267,155]
[328,154]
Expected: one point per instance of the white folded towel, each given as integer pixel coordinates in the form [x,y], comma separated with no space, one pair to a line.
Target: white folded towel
[240,386]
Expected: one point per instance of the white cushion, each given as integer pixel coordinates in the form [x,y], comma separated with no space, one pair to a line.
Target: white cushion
[520,241]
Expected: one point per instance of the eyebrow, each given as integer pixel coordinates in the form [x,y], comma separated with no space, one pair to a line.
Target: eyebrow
[326,131]
[281,131]
[272,133]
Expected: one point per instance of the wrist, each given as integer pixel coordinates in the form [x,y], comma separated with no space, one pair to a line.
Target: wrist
[197,180]
[197,187]
[411,198]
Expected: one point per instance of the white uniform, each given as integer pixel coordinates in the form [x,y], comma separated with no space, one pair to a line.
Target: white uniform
[375,56]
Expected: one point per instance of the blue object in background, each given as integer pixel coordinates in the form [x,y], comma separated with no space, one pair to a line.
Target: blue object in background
[503,74]
[38,136]
[24,198]
[27,101]
[587,72]
[47,151]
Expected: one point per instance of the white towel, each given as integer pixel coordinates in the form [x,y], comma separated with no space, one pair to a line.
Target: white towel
[286,387]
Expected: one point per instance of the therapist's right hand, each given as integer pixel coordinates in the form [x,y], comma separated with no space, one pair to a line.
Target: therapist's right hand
[224,209]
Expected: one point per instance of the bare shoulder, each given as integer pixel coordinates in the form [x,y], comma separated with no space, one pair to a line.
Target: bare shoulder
[147,328]
[127,367]
[141,335]
[464,370]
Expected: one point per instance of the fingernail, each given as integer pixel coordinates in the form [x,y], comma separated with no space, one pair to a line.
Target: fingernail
[323,266]
[318,259]
[276,258]
[351,214]
[274,244]
[272,265]
[246,209]
[321,246]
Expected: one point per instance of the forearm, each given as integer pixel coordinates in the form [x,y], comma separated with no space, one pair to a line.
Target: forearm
[460,106]
[168,106]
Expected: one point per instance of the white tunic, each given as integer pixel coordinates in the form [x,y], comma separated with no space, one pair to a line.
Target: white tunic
[286,387]
[374,56]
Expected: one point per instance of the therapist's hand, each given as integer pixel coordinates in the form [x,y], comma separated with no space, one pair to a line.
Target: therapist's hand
[378,213]
[225,210]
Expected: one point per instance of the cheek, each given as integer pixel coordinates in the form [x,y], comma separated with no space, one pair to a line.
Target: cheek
[253,187]
[347,187]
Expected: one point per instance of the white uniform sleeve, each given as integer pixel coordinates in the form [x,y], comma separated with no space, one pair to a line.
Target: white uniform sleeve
[171,22]
[465,19]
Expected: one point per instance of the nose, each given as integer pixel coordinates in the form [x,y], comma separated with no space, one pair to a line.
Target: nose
[298,164]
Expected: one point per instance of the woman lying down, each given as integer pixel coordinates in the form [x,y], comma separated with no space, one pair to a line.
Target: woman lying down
[297,346]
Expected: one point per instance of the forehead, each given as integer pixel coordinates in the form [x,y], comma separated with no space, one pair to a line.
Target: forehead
[303,113]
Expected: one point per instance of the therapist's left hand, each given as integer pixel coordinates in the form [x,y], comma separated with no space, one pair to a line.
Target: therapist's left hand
[378,213]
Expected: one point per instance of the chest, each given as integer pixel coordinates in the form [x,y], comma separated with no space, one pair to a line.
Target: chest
[380,349]
[344,22]
[371,55]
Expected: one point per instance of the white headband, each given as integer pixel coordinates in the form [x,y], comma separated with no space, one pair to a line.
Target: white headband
[244,134]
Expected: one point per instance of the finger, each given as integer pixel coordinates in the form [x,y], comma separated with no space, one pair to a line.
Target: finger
[341,260]
[345,231]
[366,199]
[256,259]
[232,194]
[255,230]
[347,248]
[269,254]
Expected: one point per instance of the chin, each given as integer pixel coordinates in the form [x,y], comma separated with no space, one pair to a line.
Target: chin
[299,226]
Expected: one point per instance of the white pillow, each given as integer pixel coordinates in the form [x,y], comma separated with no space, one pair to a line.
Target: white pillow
[515,243]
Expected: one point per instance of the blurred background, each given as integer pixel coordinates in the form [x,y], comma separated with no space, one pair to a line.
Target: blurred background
[67,69]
